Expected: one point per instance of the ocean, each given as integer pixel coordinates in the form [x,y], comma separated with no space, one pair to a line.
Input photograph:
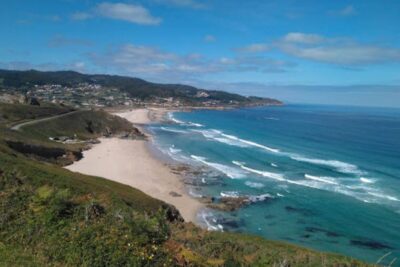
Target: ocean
[324,177]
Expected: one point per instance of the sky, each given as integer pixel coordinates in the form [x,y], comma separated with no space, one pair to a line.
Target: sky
[309,51]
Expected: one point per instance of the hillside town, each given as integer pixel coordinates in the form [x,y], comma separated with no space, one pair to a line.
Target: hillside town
[85,95]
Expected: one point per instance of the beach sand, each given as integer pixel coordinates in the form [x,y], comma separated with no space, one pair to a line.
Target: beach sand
[130,162]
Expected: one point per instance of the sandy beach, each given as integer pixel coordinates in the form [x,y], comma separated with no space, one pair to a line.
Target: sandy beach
[130,162]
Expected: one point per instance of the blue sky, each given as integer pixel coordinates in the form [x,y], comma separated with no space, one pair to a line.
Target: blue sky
[318,51]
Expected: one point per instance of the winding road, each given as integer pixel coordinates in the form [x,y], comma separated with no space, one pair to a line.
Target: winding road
[18,127]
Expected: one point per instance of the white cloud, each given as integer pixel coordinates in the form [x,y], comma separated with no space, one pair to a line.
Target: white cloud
[183,3]
[151,62]
[131,13]
[339,51]
[298,37]
[356,54]
[209,38]
[347,11]
[254,48]
[127,12]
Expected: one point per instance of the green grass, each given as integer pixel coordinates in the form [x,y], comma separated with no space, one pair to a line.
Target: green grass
[15,113]
[50,216]
[217,248]
[85,124]
[66,218]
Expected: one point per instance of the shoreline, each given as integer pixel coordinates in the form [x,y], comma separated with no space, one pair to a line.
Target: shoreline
[132,162]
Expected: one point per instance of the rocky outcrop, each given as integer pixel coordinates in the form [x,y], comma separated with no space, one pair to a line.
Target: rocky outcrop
[48,153]
[230,203]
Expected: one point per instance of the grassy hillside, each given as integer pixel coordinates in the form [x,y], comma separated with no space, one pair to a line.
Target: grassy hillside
[16,113]
[83,124]
[50,216]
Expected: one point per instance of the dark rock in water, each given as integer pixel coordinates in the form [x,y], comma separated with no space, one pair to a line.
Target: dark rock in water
[229,203]
[320,230]
[306,236]
[233,203]
[230,223]
[207,200]
[305,212]
[371,244]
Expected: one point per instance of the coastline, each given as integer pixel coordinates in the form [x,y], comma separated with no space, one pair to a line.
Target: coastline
[132,163]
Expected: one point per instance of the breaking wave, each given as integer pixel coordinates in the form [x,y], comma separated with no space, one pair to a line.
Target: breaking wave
[173,119]
[210,221]
[195,124]
[323,179]
[174,150]
[167,129]
[232,140]
[340,166]
[250,143]
[231,172]
[272,175]
[366,180]
[232,194]
[360,192]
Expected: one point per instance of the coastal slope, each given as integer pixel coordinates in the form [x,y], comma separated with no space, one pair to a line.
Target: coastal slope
[50,216]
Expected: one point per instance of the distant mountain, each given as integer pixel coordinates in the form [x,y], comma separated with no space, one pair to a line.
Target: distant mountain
[135,87]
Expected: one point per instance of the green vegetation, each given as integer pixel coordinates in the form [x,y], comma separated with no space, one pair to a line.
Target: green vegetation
[17,113]
[84,124]
[50,216]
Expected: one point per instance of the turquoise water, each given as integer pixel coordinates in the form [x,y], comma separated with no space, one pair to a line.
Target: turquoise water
[324,177]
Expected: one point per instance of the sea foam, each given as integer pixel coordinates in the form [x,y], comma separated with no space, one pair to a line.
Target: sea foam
[366,180]
[324,179]
[174,150]
[231,172]
[167,129]
[250,143]
[340,166]
[272,175]
[219,136]
[210,221]
[173,119]
[232,194]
